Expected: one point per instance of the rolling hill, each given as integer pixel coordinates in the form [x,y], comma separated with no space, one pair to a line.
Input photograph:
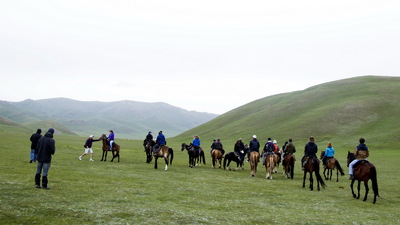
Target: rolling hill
[129,119]
[341,111]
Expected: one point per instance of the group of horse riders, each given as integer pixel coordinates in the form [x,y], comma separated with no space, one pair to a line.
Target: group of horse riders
[271,147]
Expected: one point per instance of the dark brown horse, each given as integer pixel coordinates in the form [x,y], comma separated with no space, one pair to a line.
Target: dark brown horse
[271,161]
[216,156]
[149,153]
[195,157]
[363,171]
[288,165]
[331,164]
[106,148]
[312,165]
[254,158]
[163,152]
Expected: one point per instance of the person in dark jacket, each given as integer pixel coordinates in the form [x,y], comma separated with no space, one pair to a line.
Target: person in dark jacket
[238,149]
[310,149]
[88,148]
[34,139]
[46,147]
[254,146]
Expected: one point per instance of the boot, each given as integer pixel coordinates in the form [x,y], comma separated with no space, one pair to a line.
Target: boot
[37,180]
[44,182]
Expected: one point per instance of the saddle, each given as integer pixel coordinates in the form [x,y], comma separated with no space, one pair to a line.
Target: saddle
[360,162]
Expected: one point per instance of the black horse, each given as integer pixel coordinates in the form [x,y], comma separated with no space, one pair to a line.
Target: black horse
[194,156]
[232,156]
[148,152]
[312,165]
[363,171]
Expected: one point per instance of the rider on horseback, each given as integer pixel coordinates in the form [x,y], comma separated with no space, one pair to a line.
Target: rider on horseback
[196,144]
[288,148]
[111,139]
[160,141]
[239,149]
[254,146]
[329,153]
[361,153]
[217,145]
[268,149]
[310,150]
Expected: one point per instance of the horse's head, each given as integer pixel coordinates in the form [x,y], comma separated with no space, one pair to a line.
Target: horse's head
[103,137]
[183,146]
[322,155]
[350,158]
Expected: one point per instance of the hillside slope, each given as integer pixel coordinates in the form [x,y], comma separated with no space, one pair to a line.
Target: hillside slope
[340,111]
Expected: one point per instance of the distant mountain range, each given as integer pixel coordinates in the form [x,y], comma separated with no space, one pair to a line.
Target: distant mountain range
[128,119]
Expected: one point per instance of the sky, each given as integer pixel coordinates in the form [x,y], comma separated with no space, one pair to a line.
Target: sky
[208,56]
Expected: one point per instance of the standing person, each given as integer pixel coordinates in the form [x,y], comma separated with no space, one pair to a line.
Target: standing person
[111,139]
[329,154]
[34,139]
[160,141]
[361,153]
[254,146]
[88,148]
[238,148]
[196,144]
[310,149]
[46,147]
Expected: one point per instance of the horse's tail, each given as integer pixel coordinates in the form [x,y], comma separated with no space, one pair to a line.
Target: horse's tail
[202,156]
[225,159]
[172,155]
[338,167]
[374,181]
[319,178]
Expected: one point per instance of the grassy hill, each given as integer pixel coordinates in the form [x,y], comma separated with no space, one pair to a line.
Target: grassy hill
[340,111]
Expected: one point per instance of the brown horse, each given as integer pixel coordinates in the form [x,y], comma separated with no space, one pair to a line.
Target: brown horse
[288,165]
[270,162]
[312,165]
[254,158]
[164,152]
[106,148]
[363,171]
[216,156]
[331,164]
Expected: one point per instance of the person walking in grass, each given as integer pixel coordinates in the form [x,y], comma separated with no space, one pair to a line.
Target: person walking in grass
[34,140]
[46,147]
[88,148]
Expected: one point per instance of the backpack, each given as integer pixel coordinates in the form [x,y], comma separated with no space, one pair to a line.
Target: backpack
[270,147]
[276,148]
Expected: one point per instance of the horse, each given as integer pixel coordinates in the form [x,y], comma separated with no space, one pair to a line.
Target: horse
[331,164]
[164,152]
[363,171]
[271,161]
[312,165]
[254,158]
[148,152]
[194,156]
[216,156]
[288,165]
[106,148]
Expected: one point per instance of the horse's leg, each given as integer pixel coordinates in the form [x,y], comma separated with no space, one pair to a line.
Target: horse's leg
[352,190]
[311,182]
[155,162]
[113,155]
[337,175]
[166,162]
[366,189]
[358,189]
[304,179]
[102,156]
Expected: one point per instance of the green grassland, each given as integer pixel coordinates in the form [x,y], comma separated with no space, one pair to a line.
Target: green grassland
[132,192]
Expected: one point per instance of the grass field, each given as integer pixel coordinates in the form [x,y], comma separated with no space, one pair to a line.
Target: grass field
[132,192]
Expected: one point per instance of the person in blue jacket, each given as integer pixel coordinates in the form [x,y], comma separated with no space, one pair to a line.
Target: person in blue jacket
[196,143]
[329,153]
[160,141]
[111,138]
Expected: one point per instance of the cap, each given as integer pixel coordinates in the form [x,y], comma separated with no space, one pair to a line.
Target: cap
[254,136]
[91,136]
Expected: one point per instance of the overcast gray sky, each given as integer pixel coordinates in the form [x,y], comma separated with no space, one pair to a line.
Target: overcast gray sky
[208,55]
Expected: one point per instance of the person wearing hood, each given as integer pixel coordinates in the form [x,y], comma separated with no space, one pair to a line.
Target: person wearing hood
[34,140]
[45,149]
[310,149]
